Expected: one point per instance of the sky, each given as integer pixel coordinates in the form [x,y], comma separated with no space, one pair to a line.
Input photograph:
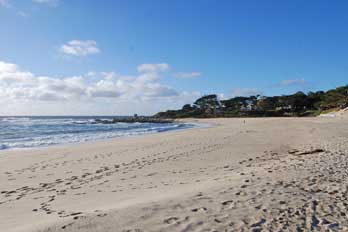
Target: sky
[110,57]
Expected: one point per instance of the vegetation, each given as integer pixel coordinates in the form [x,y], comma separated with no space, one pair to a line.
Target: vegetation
[298,104]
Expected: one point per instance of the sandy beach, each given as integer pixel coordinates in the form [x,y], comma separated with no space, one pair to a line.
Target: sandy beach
[267,174]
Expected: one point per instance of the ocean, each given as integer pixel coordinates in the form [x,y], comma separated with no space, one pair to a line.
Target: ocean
[28,132]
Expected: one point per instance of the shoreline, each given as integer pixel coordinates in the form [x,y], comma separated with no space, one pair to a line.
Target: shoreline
[194,125]
[229,175]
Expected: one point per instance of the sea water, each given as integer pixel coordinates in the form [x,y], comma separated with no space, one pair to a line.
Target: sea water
[27,132]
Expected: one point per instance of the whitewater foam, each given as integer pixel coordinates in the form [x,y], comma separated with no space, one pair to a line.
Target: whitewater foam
[27,132]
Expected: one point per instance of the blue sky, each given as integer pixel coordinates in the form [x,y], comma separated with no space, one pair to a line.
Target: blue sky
[85,57]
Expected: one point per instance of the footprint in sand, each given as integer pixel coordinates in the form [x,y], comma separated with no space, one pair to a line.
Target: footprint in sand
[171,220]
[201,209]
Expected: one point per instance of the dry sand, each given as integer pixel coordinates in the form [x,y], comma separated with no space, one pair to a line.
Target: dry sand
[273,174]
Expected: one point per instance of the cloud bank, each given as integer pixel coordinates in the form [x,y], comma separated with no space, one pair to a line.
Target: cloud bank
[95,90]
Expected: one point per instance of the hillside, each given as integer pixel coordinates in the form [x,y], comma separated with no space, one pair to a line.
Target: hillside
[299,104]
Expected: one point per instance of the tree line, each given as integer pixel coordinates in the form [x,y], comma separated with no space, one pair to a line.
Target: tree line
[299,104]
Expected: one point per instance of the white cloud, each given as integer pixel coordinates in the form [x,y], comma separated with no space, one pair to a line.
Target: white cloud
[153,68]
[293,82]
[188,75]
[246,92]
[11,74]
[51,3]
[103,93]
[80,48]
